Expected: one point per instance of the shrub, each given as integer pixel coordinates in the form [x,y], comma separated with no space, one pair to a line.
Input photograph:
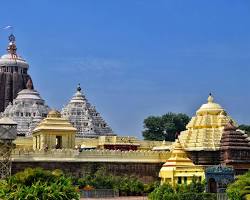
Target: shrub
[162,190]
[126,186]
[38,184]
[240,189]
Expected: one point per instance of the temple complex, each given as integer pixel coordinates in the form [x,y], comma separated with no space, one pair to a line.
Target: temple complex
[54,132]
[13,74]
[78,140]
[202,138]
[235,149]
[179,168]
[28,109]
[84,117]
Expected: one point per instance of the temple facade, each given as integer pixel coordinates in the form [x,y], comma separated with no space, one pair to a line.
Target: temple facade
[202,138]
[13,74]
[84,117]
[28,109]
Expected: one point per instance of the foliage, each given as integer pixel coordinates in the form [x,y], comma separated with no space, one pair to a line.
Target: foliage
[125,185]
[196,186]
[245,128]
[38,184]
[172,123]
[161,191]
[240,189]
[192,191]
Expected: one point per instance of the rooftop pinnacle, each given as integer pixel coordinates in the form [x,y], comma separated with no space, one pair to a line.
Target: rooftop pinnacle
[210,98]
[12,45]
[79,88]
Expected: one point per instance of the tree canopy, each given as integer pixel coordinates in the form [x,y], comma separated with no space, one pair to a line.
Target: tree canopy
[165,126]
[38,184]
[245,128]
[240,189]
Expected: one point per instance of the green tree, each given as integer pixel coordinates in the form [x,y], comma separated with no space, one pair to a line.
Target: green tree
[240,189]
[245,128]
[38,184]
[165,126]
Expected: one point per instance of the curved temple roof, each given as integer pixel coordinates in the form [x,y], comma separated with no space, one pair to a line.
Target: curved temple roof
[204,130]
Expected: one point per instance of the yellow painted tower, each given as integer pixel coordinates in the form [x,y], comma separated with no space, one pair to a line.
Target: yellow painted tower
[204,132]
[54,132]
[179,169]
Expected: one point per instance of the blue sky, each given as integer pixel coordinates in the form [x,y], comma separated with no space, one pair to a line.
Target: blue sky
[136,58]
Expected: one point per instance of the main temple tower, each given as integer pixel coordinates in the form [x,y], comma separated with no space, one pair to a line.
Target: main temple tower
[202,138]
[13,74]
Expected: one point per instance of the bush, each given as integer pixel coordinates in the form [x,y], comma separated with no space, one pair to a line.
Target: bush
[240,189]
[193,191]
[38,184]
[162,190]
[126,186]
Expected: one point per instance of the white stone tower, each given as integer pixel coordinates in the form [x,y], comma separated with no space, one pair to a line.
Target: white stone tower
[84,117]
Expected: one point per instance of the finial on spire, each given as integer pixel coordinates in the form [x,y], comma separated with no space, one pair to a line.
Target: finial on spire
[79,87]
[29,84]
[210,98]
[12,45]
[12,38]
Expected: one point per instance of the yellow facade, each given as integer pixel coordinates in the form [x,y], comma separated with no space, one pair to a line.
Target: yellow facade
[54,132]
[204,131]
[25,143]
[179,169]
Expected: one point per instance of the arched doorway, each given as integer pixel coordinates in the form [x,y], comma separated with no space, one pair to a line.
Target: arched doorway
[212,186]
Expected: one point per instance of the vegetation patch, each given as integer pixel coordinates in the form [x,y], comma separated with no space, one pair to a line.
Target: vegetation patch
[38,184]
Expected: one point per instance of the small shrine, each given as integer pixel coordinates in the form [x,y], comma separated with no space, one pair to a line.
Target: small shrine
[54,132]
[179,169]
[218,177]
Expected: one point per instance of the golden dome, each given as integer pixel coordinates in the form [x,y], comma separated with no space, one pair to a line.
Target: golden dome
[204,130]
[54,114]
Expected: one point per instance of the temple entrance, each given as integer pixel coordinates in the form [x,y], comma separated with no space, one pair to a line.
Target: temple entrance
[58,142]
[212,186]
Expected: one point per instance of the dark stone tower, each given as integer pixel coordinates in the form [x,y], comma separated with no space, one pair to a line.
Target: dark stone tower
[13,74]
[235,149]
